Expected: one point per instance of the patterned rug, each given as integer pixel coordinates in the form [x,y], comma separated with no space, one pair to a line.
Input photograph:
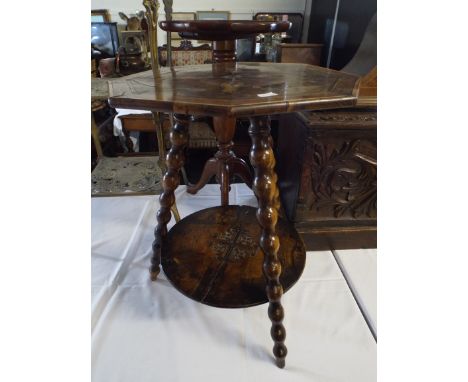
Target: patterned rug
[125,175]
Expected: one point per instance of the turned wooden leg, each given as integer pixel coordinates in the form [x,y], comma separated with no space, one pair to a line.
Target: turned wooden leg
[174,160]
[265,188]
[277,201]
[162,151]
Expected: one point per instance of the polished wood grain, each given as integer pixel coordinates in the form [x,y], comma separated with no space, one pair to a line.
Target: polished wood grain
[219,30]
[235,89]
[213,256]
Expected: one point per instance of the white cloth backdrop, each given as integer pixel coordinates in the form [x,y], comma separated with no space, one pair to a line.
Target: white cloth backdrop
[118,128]
[145,331]
[359,268]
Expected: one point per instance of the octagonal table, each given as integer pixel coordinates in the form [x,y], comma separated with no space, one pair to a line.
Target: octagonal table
[223,35]
[232,256]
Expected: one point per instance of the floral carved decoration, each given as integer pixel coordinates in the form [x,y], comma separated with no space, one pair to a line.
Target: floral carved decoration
[343,178]
[234,244]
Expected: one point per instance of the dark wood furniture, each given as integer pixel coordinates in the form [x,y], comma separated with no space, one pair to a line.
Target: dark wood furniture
[300,53]
[225,254]
[327,176]
[328,167]
[225,164]
[227,91]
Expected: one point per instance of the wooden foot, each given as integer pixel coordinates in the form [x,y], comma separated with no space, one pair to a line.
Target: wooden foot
[237,166]
[209,170]
[175,161]
[225,164]
[265,188]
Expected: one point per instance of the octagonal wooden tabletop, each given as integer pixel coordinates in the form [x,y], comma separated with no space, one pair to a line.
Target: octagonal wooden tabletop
[235,89]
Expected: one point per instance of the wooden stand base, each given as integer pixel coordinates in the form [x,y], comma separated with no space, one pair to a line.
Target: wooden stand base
[225,165]
[213,257]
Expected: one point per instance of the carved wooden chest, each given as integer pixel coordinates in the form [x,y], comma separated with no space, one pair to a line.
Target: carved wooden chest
[327,174]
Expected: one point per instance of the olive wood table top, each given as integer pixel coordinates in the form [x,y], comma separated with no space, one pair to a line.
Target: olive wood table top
[235,89]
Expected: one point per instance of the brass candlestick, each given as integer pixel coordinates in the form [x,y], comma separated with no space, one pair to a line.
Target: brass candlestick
[152,7]
[168,12]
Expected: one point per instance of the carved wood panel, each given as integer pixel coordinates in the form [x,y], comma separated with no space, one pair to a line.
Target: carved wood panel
[339,178]
[327,171]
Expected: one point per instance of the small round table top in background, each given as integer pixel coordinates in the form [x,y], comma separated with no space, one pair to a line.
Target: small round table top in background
[221,30]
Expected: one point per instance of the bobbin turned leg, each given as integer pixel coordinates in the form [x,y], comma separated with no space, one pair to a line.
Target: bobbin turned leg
[174,160]
[264,187]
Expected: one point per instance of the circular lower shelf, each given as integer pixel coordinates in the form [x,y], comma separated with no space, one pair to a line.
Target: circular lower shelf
[213,257]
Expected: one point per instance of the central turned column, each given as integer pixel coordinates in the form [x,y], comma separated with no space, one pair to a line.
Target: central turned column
[225,164]
[224,51]
[174,160]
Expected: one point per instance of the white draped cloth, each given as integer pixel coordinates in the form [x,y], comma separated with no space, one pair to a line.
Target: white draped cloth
[148,331]
[118,129]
